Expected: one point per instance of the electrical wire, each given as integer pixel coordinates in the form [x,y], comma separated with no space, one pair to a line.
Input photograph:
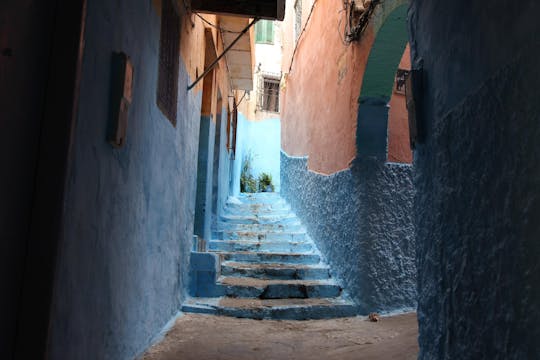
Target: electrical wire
[216,26]
[300,35]
[241,99]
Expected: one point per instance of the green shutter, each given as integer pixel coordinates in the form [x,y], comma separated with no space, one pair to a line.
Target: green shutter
[264,32]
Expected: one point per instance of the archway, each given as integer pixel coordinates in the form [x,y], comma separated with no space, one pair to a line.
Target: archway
[382,119]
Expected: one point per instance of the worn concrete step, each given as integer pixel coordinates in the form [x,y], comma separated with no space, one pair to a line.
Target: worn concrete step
[260,246]
[265,257]
[275,271]
[278,309]
[263,219]
[278,289]
[291,226]
[245,209]
[259,198]
[294,236]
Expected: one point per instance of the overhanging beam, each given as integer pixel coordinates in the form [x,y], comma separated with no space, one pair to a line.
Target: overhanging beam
[263,9]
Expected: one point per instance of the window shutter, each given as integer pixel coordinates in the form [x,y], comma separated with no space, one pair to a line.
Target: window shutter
[269,32]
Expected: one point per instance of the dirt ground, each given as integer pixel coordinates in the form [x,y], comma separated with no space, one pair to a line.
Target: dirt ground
[204,337]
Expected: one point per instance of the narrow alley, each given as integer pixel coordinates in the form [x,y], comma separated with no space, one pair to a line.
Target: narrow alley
[269,179]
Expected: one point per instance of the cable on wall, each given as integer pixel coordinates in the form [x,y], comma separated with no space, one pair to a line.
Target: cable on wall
[301,33]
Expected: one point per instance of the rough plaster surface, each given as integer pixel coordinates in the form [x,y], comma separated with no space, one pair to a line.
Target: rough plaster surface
[361,221]
[122,270]
[477,177]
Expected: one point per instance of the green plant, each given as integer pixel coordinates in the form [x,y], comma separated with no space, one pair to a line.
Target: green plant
[248,183]
[265,182]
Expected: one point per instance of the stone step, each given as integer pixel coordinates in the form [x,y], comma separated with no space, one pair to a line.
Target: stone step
[266,219]
[245,287]
[278,309]
[260,246]
[290,227]
[261,235]
[246,209]
[264,257]
[259,198]
[275,271]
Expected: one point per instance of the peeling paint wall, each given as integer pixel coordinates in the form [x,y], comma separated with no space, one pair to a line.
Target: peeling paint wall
[477,177]
[361,220]
[123,264]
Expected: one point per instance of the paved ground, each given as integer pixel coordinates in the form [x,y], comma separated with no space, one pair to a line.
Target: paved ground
[203,337]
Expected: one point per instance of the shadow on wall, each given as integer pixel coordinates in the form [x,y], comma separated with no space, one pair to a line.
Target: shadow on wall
[261,140]
[361,220]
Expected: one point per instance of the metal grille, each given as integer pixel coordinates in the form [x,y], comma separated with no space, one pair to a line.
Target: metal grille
[268,94]
[169,44]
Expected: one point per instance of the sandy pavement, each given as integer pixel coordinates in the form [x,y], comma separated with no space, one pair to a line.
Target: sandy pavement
[204,337]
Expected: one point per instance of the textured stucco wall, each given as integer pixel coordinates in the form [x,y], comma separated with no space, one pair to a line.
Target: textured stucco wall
[361,220]
[262,139]
[477,177]
[122,270]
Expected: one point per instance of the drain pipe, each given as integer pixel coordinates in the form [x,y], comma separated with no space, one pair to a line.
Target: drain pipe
[215,62]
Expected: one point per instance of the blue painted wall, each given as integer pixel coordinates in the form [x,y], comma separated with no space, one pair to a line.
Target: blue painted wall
[263,140]
[123,265]
[361,220]
[205,171]
[477,177]
[224,178]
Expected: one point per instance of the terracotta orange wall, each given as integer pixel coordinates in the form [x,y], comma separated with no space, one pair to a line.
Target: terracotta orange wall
[320,93]
[398,126]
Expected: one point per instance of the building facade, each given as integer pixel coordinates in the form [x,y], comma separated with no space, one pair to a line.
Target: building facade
[345,163]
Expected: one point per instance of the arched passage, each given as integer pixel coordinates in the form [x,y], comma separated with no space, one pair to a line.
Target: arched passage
[379,92]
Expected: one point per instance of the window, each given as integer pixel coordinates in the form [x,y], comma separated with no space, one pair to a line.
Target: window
[401,79]
[268,94]
[264,32]
[169,45]
[297,19]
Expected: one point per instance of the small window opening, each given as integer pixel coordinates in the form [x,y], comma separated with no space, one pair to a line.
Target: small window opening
[169,53]
[268,94]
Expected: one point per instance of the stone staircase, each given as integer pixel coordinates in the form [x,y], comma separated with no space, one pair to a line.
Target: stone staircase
[261,264]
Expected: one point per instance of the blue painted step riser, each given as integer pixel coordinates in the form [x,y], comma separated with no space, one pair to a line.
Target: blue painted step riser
[260,199]
[316,312]
[282,291]
[273,258]
[261,212]
[278,220]
[243,236]
[261,228]
[260,246]
[277,273]
[291,313]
